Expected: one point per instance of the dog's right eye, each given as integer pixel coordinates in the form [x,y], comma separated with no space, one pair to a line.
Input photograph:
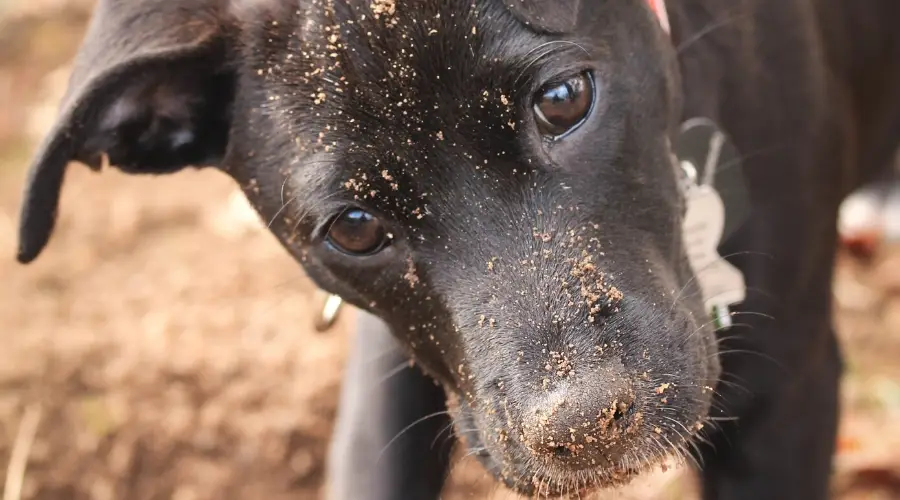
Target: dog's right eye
[357,232]
[561,108]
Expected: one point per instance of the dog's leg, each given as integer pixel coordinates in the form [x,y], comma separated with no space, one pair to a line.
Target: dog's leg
[783,449]
[392,439]
[782,372]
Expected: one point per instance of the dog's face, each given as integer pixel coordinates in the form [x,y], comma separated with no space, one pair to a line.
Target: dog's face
[498,188]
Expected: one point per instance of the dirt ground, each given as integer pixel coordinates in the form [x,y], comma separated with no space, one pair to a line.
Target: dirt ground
[162,347]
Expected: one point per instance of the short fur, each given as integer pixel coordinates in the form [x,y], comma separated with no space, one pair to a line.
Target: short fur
[543,284]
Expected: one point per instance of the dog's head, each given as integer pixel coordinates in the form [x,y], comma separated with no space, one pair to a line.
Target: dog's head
[492,178]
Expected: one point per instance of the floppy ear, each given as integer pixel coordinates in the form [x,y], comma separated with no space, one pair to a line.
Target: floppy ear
[151,91]
[549,16]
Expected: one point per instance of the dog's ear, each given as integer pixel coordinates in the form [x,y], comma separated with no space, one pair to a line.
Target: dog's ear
[549,16]
[151,92]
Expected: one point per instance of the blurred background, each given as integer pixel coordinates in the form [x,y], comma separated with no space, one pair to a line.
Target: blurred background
[162,347]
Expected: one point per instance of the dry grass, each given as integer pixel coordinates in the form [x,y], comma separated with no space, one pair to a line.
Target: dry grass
[21,451]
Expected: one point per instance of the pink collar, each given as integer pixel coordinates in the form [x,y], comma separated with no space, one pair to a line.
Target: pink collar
[659,8]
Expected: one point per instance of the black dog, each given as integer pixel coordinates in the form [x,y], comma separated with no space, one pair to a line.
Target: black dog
[494,180]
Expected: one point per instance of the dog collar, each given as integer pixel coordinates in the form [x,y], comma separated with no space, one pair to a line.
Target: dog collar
[659,8]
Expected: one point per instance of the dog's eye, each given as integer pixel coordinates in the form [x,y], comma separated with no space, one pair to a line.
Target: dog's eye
[562,107]
[357,232]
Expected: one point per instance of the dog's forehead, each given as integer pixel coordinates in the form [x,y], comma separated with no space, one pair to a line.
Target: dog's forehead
[410,102]
[417,69]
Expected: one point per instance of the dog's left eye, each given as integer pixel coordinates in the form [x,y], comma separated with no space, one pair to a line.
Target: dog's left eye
[561,108]
[357,232]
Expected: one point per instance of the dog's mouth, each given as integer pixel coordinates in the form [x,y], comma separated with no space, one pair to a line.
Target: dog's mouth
[502,452]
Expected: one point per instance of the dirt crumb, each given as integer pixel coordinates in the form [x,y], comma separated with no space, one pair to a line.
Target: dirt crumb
[410,276]
[383,7]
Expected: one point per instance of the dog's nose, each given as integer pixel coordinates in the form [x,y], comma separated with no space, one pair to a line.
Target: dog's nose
[583,425]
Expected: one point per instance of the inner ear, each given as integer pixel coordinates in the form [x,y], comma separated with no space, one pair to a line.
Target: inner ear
[151,114]
[547,16]
[159,121]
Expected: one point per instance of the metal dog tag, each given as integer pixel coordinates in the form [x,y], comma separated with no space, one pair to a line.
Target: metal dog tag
[721,284]
[704,153]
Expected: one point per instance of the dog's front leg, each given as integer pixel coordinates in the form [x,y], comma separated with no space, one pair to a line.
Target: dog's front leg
[783,448]
[392,437]
[782,371]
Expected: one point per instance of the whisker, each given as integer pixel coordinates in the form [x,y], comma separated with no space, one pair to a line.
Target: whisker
[724,419]
[283,206]
[753,289]
[753,353]
[446,428]
[705,268]
[751,155]
[393,372]
[407,428]
[710,28]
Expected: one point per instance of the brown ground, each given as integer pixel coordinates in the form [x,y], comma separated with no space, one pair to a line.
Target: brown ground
[162,345]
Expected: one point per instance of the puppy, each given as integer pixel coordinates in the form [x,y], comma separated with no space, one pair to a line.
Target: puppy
[493,183]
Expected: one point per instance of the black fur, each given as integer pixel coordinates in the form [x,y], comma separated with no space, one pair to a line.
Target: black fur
[542,283]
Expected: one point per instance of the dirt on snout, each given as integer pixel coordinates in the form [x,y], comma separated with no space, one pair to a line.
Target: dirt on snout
[162,347]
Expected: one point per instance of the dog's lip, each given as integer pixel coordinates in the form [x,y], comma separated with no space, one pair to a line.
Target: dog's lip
[528,484]
[551,487]
[559,485]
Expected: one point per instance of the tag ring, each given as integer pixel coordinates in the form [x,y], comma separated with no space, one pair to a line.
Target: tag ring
[690,173]
[328,312]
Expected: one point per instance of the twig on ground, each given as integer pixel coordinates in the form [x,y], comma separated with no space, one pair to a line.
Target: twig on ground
[18,459]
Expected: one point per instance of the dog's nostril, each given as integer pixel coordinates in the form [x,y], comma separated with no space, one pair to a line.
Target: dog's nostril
[562,452]
[623,410]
